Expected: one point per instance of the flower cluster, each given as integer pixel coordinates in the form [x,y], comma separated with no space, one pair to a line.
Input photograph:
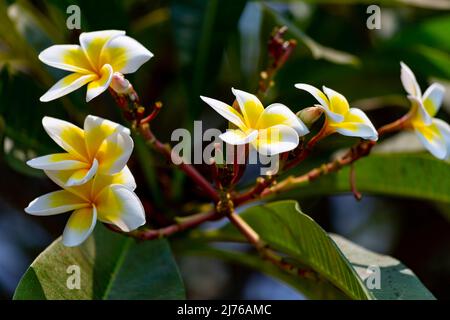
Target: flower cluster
[96,183]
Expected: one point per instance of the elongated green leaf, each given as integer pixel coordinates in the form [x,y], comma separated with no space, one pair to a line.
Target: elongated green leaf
[343,264]
[397,282]
[285,228]
[310,288]
[406,175]
[111,266]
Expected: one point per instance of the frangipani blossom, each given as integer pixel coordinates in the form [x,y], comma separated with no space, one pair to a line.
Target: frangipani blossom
[433,133]
[103,147]
[271,131]
[93,62]
[109,199]
[339,116]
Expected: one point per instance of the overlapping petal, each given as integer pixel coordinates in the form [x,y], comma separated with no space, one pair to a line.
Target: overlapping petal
[250,107]
[67,136]
[276,139]
[114,152]
[119,206]
[226,111]
[432,98]
[238,137]
[67,85]
[278,113]
[93,43]
[54,203]
[435,138]
[356,124]
[79,226]
[69,57]
[57,161]
[125,54]
[101,84]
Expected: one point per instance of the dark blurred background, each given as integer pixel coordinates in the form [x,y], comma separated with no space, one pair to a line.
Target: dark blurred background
[207,47]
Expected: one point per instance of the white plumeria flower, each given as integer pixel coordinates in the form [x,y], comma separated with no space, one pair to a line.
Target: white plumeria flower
[93,62]
[339,116]
[109,199]
[433,133]
[103,147]
[271,131]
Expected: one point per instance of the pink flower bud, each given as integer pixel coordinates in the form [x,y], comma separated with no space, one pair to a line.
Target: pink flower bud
[119,84]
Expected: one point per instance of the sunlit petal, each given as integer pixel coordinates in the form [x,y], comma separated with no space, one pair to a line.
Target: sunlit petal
[238,137]
[420,116]
[57,161]
[356,124]
[120,206]
[435,138]
[81,176]
[251,107]
[409,81]
[114,152]
[226,111]
[124,177]
[67,136]
[98,86]
[54,203]
[79,226]
[276,139]
[125,54]
[97,129]
[66,57]
[67,85]
[338,103]
[432,98]
[278,113]
[93,43]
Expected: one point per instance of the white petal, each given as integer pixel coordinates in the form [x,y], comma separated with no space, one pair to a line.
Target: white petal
[97,129]
[250,106]
[432,98]
[66,135]
[226,111]
[316,93]
[66,57]
[435,138]
[57,161]
[80,225]
[120,206]
[98,86]
[81,176]
[114,153]
[93,43]
[238,137]
[357,124]
[54,203]
[125,54]
[67,85]
[409,81]
[278,113]
[420,114]
[276,140]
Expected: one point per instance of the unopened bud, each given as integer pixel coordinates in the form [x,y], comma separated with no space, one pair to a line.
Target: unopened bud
[310,115]
[119,84]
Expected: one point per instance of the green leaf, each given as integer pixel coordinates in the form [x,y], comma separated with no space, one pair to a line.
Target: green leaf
[418,176]
[285,228]
[338,261]
[112,266]
[397,282]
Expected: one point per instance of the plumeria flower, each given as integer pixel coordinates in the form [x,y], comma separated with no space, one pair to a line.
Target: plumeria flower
[93,62]
[103,147]
[109,199]
[339,116]
[433,133]
[271,131]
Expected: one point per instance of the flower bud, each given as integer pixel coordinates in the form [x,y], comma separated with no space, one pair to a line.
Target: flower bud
[310,115]
[119,84]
